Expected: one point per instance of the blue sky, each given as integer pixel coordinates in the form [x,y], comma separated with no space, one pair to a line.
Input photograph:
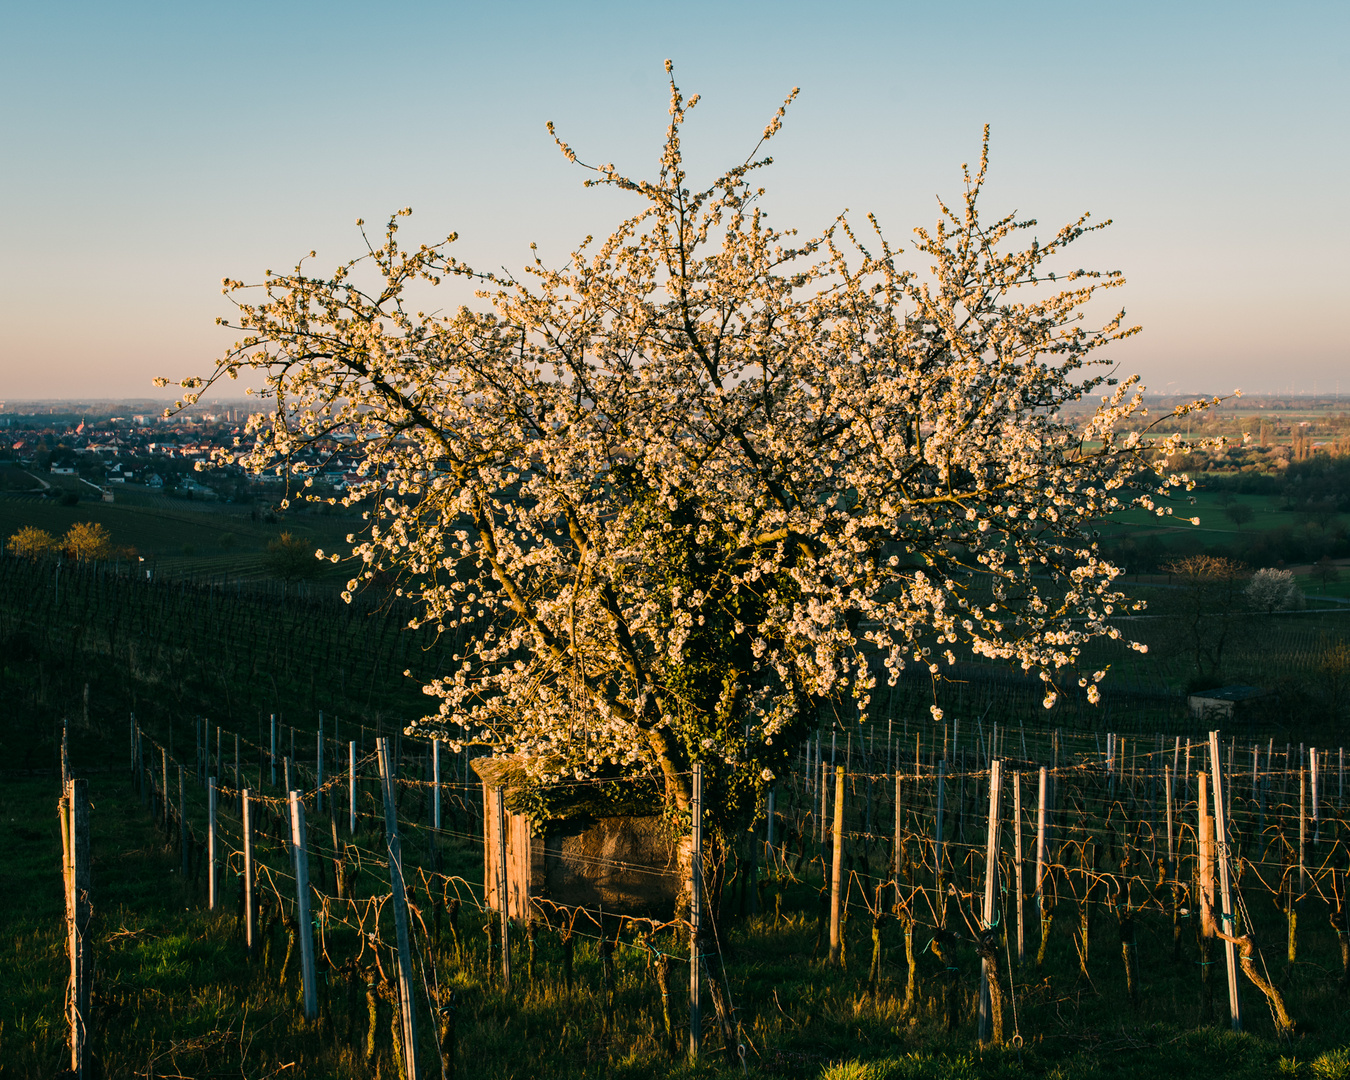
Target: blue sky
[150,149]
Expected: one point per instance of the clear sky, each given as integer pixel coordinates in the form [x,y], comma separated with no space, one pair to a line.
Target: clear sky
[150,149]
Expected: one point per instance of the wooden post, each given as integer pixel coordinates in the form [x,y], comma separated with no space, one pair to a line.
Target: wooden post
[301,851]
[1225,886]
[400,905]
[1017,862]
[250,914]
[351,785]
[63,816]
[990,895]
[836,863]
[164,790]
[1205,855]
[695,913]
[77,922]
[212,884]
[504,887]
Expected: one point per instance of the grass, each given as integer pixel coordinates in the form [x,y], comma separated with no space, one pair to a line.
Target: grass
[1215,525]
[183,536]
[176,993]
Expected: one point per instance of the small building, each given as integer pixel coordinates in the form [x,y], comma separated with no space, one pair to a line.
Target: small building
[1225,703]
[619,863]
[196,490]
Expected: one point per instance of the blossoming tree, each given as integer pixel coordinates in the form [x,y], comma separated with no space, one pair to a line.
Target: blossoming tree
[676,493]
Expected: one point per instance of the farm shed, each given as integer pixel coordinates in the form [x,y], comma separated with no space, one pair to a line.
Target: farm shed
[1225,703]
[574,853]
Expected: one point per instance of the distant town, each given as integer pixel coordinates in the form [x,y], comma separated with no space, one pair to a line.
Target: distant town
[104,445]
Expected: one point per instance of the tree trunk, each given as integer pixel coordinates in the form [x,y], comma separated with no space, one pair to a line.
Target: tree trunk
[987,948]
[911,961]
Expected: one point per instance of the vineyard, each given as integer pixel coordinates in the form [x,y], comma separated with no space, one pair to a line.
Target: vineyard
[846,933]
[164,647]
[912,894]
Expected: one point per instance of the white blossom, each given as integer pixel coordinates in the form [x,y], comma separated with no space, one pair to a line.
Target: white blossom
[708,473]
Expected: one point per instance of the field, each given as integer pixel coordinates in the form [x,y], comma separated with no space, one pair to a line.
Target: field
[183,537]
[177,993]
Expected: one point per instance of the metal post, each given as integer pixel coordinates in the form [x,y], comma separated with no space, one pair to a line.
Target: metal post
[769,814]
[1302,831]
[250,914]
[351,785]
[1312,764]
[318,769]
[836,864]
[1171,848]
[896,852]
[436,784]
[1040,840]
[212,884]
[301,851]
[824,797]
[273,756]
[695,913]
[182,824]
[937,842]
[1017,862]
[1225,897]
[400,905]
